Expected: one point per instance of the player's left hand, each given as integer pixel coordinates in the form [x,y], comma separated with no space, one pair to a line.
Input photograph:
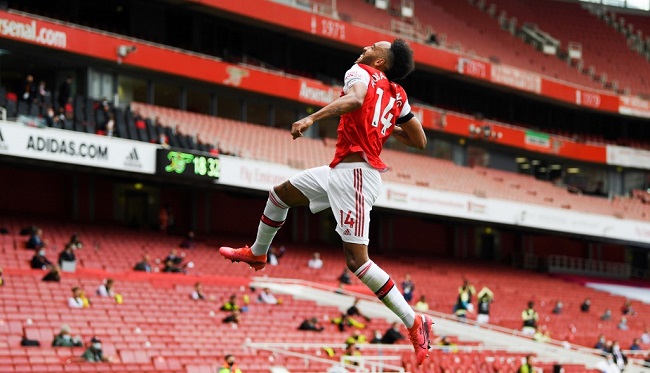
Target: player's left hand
[299,126]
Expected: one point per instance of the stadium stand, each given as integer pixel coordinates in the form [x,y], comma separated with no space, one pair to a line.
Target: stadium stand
[561,21]
[156,326]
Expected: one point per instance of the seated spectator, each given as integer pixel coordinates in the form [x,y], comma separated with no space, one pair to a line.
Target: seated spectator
[627,309]
[172,267]
[607,315]
[75,242]
[64,339]
[356,338]
[600,344]
[2,280]
[94,353]
[345,321]
[345,278]
[558,308]
[144,265]
[311,324]
[78,299]
[622,325]
[315,262]
[636,345]
[188,242]
[67,255]
[107,288]
[229,365]
[354,310]
[54,275]
[586,305]
[446,343]
[174,258]
[231,304]
[273,256]
[376,337]
[541,335]
[39,261]
[197,294]
[351,350]
[392,335]
[35,241]
[422,305]
[645,337]
[527,366]
[233,318]
[266,297]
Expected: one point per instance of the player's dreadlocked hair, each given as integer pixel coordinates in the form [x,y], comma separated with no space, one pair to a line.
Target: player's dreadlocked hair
[401,60]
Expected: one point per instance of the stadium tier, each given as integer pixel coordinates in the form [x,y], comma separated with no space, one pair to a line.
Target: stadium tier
[171,292]
[158,327]
[275,145]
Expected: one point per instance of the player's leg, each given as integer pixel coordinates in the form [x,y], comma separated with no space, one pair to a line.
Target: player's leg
[281,198]
[301,190]
[352,193]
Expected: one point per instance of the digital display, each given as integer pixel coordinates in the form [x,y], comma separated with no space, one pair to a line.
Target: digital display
[188,164]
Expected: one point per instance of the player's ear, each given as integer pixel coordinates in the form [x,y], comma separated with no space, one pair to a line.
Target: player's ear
[380,62]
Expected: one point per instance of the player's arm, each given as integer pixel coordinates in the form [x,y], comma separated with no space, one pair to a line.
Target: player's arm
[411,133]
[349,102]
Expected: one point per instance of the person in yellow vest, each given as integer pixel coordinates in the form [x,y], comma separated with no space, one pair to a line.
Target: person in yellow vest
[527,366]
[229,365]
[2,280]
[529,317]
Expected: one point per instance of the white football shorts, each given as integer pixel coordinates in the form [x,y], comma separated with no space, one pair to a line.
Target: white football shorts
[350,189]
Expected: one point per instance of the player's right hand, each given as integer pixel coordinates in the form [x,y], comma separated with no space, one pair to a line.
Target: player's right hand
[299,126]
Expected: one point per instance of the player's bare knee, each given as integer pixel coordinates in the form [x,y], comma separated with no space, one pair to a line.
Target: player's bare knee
[355,255]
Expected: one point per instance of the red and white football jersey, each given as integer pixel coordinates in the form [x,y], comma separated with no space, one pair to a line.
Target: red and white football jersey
[366,129]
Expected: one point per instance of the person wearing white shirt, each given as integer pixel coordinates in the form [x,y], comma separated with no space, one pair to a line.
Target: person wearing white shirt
[315,262]
[76,301]
[106,289]
[266,297]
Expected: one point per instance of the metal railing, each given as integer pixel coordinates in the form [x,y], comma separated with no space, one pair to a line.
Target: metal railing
[582,266]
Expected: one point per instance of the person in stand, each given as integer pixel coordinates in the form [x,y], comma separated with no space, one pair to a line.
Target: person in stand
[94,353]
[408,286]
[67,255]
[107,289]
[64,339]
[311,324]
[586,305]
[485,299]
[39,261]
[354,310]
[392,335]
[529,317]
[315,262]
[229,365]
[36,241]
[372,108]
[527,366]
[144,265]
[54,275]
[198,294]
[422,305]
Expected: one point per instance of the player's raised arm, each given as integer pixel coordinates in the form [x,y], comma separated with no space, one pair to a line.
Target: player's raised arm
[351,101]
[411,134]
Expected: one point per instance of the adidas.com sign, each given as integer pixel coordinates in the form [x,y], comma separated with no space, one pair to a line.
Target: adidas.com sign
[132,160]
